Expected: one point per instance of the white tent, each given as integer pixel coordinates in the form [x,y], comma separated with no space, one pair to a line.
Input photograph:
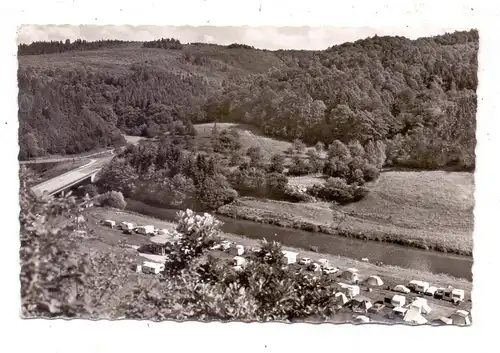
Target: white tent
[361,302]
[374,281]
[341,299]
[414,316]
[350,274]
[422,304]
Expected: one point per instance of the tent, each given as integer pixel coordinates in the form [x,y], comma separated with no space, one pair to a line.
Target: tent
[350,274]
[414,316]
[461,318]
[361,302]
[341,299]
[374,281]
[422,304]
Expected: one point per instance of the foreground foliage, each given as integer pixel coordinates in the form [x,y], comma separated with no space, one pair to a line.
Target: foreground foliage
[58,280]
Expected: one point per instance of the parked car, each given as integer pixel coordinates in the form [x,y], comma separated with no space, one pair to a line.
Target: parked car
[401,289]
[330,270]
[128,231]
[305,261]
[377,307]
[431,291]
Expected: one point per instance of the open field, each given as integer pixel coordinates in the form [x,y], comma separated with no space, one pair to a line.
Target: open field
[109,240]
[218,64]
[249,137]
[428,210]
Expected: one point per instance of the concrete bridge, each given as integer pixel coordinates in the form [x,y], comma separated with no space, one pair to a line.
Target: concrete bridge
[74,178]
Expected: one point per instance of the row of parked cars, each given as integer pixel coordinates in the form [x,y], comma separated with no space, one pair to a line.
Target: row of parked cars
[322,265]
[451,294]
[130,228]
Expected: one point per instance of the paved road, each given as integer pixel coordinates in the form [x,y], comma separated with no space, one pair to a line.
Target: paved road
[63,159]
[71,176]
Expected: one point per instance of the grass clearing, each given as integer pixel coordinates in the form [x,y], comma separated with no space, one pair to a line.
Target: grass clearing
[249,137]
[428,210]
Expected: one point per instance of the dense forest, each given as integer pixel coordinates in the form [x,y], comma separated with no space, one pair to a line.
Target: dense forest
[417,97]
[41,47]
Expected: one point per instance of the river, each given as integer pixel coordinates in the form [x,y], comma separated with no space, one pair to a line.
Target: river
[387,253]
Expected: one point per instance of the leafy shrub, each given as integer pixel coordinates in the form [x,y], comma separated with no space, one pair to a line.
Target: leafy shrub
[337,190]
[113,199]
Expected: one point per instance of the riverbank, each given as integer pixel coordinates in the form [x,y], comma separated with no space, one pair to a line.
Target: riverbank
[387,253]
[425,210]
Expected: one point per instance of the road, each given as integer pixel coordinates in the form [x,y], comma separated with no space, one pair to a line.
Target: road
[70,177]
[63,159]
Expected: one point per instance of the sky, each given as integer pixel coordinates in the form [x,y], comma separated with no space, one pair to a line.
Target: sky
[272,38]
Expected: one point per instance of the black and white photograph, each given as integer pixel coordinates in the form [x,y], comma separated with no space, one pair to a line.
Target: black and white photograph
[248,174]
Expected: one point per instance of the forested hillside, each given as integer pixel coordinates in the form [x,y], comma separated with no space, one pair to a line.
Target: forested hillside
[416,96]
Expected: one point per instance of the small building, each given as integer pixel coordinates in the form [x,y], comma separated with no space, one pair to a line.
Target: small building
[145,230]
[398,300]
[461,318]
[237,250]
[290,256]
[374,281]
[351,275]
[109,223]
